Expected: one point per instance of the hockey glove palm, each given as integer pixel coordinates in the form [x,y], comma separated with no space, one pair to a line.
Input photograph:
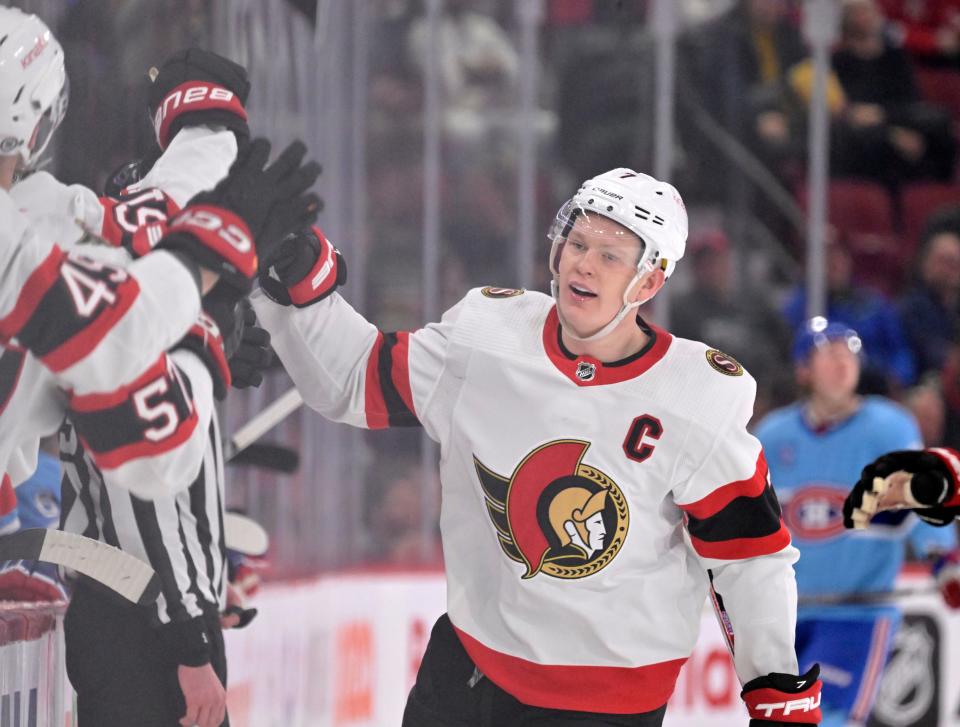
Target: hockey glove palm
[781,700]
[928,487]
[305,269]
[253,354]
[248,213]
[194,87]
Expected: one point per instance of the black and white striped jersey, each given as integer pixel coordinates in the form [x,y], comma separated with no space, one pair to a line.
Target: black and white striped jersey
[181,536]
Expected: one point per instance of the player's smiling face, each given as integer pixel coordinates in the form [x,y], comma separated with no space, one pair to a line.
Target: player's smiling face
[597,263]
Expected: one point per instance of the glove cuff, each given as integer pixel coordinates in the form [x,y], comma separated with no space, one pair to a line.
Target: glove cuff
[951,469]
[220,240]
[186,642]
[205,340]
[785,698]
[328,272]
[198,102]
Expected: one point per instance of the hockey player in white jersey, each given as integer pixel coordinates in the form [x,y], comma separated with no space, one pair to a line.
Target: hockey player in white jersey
[596,474]
[90,324]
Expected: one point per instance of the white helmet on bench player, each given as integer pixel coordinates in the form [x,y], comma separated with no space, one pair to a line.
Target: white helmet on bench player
[33,85]
[650,209]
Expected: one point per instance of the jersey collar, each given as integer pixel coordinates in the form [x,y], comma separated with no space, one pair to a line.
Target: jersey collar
[588,371]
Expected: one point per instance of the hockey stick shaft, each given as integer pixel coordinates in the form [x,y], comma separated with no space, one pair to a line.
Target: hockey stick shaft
[121,572]
[263,422]
[867,598]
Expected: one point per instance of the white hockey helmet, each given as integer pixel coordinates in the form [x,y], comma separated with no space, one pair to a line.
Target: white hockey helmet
[33,85]
[650,209]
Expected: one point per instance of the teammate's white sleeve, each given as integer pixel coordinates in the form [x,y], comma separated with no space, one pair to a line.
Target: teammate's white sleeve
[94,324]
[349,371]
[150,438]
[196,159]
[736,530]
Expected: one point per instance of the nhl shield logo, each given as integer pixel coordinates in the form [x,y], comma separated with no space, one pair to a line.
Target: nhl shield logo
[586,370]
[555,514]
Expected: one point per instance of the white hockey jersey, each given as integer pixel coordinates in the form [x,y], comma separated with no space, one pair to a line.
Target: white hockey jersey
[86,329]
[583,504]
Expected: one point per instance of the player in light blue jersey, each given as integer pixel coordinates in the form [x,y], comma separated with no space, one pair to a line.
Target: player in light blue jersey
[815,448]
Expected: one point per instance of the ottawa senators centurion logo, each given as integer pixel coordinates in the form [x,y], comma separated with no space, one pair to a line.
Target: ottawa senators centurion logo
[555,514]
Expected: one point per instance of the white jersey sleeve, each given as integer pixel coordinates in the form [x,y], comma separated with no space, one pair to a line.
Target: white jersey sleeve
[734,525]
[349,371]
[94,322]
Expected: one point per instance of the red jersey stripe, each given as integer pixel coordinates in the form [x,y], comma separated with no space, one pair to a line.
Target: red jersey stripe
[37,285]
[97,402]
[400,371]
[607,689]
[713,503]
[741,548]
[374,403]
[79,346]
[120,456]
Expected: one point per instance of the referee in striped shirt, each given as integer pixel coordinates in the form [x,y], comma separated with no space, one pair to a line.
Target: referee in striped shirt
[165,664]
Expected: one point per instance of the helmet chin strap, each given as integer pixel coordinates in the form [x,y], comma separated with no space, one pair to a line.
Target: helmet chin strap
[625,308]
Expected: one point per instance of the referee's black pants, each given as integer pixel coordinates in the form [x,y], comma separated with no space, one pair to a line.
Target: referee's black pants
[119,670]
[449,694]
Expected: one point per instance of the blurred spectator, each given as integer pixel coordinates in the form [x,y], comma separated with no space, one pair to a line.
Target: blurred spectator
[927,29]
[716,312]
[889,362]
[926,403]
[478,68]
[743,63]
[884,131]
[930,311]
[399,512]
[603,115]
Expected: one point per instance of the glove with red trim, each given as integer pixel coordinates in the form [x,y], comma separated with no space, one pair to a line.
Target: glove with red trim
[780,700]
[305,269]
[195,86]
[205,339]
[927,485]
[248,213]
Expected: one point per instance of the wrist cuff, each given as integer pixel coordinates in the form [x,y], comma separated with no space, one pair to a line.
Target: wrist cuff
[186,642]
[191,97]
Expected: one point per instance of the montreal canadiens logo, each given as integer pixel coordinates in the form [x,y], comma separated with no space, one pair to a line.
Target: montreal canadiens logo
[492,292]
[724,363]
[815,512]
[555,514]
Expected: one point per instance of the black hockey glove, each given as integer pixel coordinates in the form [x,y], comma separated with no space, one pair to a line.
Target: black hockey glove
[931,493]
[305,269]
[129,173]
[253,354]
[781,700]
[194,87]
[248,213]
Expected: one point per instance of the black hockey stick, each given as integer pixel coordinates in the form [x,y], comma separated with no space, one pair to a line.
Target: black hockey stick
[121,572]
[269,456]
[263,422]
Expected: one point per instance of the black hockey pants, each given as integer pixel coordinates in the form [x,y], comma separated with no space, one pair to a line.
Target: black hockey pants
[450,693]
